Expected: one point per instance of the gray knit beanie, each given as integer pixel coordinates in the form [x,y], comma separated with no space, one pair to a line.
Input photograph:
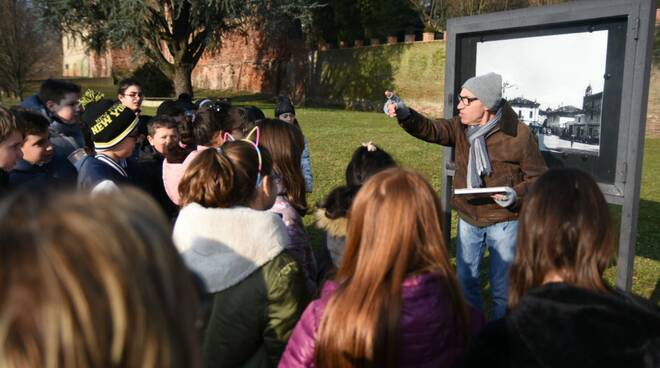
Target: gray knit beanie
[487,88]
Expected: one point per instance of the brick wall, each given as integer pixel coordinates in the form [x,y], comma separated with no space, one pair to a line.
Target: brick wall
[245,63]
[124,63]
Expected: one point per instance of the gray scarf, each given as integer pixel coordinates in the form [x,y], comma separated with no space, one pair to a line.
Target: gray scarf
[478,161]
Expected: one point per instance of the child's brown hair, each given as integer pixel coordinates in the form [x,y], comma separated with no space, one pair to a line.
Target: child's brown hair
[208,123]
[161,121]
[225,177]
[285,143]
[56,89]
[7,123]
[29,122]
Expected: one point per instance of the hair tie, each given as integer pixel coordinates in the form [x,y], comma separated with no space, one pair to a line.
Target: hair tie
[220,150]
[370,146]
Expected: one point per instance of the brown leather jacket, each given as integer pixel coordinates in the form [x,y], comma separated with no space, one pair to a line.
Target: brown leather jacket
[514,155]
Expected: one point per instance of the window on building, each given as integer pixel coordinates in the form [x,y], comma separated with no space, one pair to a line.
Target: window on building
[531,114]
[520,113]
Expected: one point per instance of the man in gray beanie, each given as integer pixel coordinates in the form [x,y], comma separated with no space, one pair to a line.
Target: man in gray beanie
[492,149]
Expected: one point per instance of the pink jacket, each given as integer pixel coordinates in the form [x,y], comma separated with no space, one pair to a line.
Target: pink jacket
[426,326]
[172,174]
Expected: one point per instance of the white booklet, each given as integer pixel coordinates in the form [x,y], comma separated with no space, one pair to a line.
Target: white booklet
[486,191]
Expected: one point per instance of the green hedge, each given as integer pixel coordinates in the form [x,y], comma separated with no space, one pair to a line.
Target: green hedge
[357,77]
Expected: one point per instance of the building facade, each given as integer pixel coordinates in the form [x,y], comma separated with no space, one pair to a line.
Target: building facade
[527,110]
[559,119]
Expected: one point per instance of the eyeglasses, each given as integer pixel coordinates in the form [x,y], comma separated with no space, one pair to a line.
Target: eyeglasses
[466,100]
[287,116]
[133,95]
[255,144]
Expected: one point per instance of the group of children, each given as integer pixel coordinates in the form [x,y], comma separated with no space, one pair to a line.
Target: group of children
[104,280]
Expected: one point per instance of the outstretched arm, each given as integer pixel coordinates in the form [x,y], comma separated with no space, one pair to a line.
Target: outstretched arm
[440,131]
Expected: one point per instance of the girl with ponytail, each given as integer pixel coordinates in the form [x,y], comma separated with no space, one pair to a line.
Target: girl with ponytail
[225,234]
[332,212]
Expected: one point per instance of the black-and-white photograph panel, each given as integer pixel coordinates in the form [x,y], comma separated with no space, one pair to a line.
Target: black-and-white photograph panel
[555,84]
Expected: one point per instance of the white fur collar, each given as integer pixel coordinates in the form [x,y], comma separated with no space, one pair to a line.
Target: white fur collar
[225,245]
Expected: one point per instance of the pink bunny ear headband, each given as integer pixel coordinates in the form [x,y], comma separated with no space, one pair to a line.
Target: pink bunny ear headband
[255,144]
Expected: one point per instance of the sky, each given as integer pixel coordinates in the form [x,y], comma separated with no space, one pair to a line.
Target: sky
[553,70]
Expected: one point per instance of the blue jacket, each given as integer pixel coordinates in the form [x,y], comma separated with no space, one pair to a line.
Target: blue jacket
[25,172]
[306,164]
[95,170]
[56,172]
[34,104]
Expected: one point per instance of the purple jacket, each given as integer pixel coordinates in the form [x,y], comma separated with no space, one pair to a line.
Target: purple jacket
[426,326]
[298,246]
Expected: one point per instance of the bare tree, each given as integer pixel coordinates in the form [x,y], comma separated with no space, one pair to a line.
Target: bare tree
[21,45]
[470,7]
[433,13]
[506,85]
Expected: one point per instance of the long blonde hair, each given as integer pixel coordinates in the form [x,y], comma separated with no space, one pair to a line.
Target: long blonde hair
[394,231]
[93,283]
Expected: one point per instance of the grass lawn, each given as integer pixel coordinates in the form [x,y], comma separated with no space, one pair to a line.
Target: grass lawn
[334,134]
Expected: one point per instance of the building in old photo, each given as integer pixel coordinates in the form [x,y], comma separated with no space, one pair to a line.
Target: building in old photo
[527,110]
[558,120]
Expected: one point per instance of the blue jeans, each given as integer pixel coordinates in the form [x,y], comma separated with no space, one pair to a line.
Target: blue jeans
[500,239]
